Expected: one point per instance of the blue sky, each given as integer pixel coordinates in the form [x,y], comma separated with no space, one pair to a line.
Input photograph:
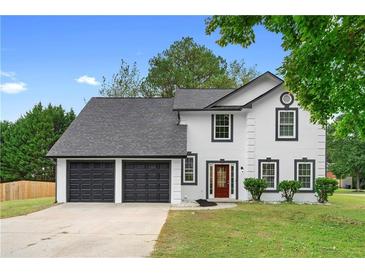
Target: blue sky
[42,56]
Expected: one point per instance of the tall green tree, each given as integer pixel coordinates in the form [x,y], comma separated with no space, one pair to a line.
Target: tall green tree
[25,143]
[126,82]
[185,64]
[325,64]
[240,73]
[346,155]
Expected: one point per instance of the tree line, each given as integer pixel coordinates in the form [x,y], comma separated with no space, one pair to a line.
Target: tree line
[25,143]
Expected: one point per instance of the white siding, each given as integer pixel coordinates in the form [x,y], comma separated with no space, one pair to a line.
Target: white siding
[310,144]
[250,92]
[199,141]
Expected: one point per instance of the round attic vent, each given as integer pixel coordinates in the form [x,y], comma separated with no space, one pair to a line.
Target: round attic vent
[286,98]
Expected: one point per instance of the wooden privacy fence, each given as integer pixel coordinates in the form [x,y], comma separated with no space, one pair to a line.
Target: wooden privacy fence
[26,190]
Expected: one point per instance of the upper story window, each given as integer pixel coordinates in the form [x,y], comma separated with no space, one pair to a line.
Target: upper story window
[304,173]
[269,171]
[189,169]
[286,124]
[222,128]
[286,119]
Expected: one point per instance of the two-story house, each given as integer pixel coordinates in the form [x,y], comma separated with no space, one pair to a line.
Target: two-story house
[201,144]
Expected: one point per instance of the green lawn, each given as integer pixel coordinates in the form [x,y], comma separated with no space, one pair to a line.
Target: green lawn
[264,230]
[22,207]
[349,191]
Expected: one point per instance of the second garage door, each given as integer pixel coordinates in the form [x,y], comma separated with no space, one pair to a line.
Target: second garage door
[146,181]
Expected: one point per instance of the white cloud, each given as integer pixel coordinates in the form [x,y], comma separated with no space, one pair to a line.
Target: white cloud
[14,87]
[7,74]
[87,80]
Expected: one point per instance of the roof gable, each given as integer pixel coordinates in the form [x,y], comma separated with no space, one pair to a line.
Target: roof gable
[228,99]
[249,104]
[248,92]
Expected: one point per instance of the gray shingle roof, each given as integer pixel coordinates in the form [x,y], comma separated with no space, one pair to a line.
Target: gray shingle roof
[108,127]
[197,98]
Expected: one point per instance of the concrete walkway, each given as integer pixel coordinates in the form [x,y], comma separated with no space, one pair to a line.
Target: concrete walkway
[191,206]
[84,230]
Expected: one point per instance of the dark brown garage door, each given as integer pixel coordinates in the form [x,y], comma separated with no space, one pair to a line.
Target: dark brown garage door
[146,181]
[90,181]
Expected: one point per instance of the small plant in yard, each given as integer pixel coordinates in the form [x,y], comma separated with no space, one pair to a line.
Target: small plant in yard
[325,187]
[256,187]
[289,188]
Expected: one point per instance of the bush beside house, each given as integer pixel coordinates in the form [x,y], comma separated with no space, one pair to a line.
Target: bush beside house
[325,187]
[256,187]
[289,188]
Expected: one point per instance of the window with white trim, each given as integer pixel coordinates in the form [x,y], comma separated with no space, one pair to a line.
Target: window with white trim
[222,127]
[286,124]
[189,169]
[304,172]
[268,172]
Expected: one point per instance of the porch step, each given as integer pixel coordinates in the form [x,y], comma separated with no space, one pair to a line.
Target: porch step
[222,200]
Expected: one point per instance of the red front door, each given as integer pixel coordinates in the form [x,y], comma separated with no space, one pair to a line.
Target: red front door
[221,184]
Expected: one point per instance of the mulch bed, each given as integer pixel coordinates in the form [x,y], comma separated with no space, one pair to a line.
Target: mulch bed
[204,203]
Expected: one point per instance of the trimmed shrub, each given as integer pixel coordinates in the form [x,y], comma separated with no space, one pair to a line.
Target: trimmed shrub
[256,187]
[325,187]
[289,188]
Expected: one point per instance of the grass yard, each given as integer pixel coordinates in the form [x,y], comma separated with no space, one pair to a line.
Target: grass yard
[22,207]
[349,191]
[264,230]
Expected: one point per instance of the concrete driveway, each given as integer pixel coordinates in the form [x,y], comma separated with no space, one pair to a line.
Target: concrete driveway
[84,230]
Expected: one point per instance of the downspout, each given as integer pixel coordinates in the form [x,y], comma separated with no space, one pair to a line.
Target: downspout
[325,152]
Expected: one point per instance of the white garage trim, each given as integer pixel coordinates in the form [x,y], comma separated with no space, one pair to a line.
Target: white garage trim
[61,181]
[118,181]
